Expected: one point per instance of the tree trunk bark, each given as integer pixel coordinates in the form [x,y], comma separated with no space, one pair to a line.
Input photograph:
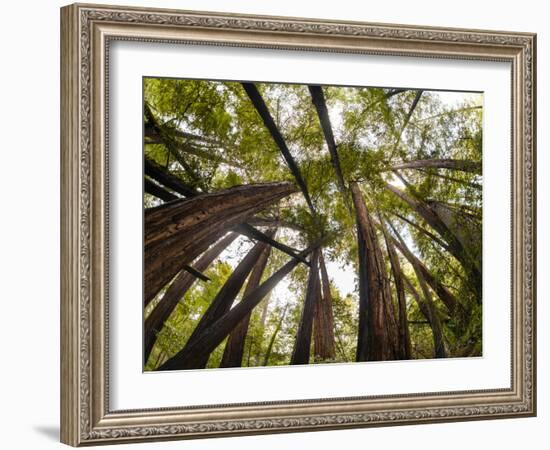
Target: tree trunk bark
[302,346]
[251,232]
[175,292]
[226,296]
[190,356]
[464,227]
[455,246]
[452,304]
[174,183]
[382,328]
[436,174]
[257,221]
[234,348]
[323,325]
[177,232]
[414,104]
[319,102]
[363,326]
[423,230]
[263,111]
[452,164]
[403,328]
[428,309]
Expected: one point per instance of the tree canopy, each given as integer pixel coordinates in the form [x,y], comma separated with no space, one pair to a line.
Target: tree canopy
[294,224]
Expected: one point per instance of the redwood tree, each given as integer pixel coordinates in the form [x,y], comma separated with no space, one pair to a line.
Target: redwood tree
[179,231]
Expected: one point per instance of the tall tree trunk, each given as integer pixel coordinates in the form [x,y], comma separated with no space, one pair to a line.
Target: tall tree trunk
[262,109]
[452,304]
[323,325]
[428,309]
[403,328]
[269,349]
[431,172]
[175,292]
[234,348]
[455,247]
[248,230]
[167,179]
[363,326]
[466,229]
[258,221]
[318,100]
[382,329]
[413,106]
[463,165]
[190,356]
[226,296]
[423,230]
[177,232]
[302,345]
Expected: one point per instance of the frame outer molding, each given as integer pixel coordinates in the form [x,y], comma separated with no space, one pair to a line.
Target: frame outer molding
[85,33]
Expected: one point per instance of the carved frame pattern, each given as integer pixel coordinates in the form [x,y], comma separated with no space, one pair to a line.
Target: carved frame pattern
[86,33]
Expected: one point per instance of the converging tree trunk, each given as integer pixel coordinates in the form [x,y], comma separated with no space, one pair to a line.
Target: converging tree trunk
[179,231]
[318,99]
[363,326]
[403,329]
[452,304]
[429,213]
[428,309]
[190,356]
[175,292]
[465,227]
[234,348]
[323,322]
[226,296]
[382,338]
[453,164]
[302,345]
[262,109]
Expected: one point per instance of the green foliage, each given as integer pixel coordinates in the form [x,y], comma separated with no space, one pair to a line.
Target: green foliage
[213,138]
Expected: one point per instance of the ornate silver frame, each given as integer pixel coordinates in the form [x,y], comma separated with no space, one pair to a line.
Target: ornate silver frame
[86,31]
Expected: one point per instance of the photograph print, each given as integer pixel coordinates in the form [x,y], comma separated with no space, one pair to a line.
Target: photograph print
[291,224]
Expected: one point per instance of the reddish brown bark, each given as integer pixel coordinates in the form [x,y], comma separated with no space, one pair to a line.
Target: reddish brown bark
[323,323]
[234,348]
[453,164]
[302,346]
[363,326]
[403,327]
[428,309]
[382,338]
[175,292]
[179,231]
[190,356]
[226,296]
[262,109]
[428,211]
[452,304]
[318,99]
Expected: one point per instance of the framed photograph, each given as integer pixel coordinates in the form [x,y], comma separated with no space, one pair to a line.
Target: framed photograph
[277,225]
